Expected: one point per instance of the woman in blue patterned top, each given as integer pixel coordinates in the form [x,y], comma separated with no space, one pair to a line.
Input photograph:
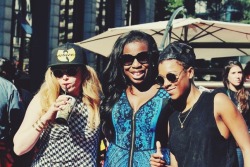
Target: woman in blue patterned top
[134,108]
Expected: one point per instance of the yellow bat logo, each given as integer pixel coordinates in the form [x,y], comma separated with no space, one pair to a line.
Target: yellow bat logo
[66,55]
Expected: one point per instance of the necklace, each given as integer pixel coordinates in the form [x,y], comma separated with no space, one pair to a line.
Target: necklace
[182,122]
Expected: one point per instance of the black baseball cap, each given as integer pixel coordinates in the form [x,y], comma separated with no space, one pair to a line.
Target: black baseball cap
[179,51]
[67,54]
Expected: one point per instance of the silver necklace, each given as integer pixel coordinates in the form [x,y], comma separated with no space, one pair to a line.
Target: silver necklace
[182,122]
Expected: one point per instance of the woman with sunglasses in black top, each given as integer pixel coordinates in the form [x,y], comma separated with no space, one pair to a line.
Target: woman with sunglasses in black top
[203,125]
[75,142]
[233,80]
[132,109]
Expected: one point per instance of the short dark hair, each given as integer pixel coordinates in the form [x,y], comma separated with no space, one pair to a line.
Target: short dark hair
[179,51]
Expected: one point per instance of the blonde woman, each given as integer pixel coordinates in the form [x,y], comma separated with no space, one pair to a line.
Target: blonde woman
[75,142]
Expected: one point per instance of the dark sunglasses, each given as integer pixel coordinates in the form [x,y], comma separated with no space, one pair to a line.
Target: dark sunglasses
[58,73]
[127,59]
[171,77]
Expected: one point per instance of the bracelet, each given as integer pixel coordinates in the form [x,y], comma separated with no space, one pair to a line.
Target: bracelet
[39,126]
[36,128]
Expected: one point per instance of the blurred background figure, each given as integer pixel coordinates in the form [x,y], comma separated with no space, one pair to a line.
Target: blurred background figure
[18,78]
[233,80]
[9,71]
[247,72]
[10,120]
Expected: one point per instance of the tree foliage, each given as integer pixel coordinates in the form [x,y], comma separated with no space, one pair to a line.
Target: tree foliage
[223,10]
[165,8]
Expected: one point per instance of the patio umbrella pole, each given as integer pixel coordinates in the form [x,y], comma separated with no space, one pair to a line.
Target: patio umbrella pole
[169,27]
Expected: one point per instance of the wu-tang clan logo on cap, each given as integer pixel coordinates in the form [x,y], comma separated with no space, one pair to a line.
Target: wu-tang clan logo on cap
[66,55]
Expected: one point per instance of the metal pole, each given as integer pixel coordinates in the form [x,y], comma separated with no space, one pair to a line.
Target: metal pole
[169,27]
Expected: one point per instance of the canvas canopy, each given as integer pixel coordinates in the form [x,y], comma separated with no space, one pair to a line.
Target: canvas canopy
[210,39]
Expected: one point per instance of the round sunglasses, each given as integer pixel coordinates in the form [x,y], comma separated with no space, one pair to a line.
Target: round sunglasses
[128,59]
[58,73]
[171,77]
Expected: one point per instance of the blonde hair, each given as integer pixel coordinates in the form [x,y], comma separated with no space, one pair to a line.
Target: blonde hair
[91,89]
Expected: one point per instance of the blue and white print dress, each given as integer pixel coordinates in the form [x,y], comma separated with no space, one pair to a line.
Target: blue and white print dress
[135,134]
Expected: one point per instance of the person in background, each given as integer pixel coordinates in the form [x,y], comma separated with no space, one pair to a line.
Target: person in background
[247,72]
[10,120]
[133,105]
[204,124]
[233,80]
[8,71]
[74,143]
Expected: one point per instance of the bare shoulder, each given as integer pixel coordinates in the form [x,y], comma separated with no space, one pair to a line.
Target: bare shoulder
[220,97]
[35,104]
[36,99]
[223,104]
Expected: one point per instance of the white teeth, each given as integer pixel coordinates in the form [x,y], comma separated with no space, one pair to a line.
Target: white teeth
[137,73]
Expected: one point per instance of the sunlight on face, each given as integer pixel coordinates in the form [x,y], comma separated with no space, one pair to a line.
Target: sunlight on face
[71,84]
[235,76]
[136,72]
[175,89]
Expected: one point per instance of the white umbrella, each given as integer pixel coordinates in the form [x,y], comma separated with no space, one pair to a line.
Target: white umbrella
[209,38]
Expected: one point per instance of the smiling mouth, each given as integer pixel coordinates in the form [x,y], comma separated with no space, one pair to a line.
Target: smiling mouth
[138,74]
[169,90]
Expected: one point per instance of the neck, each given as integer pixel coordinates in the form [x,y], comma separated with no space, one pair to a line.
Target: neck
[188,99]
[234,88]
[141,87]
[135,89]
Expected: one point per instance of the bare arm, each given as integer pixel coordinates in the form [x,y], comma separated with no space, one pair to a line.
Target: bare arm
[229,120]
[173,161]
[27,136]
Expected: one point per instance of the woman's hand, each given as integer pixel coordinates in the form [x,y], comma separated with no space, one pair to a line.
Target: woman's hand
[156,158]
[59,104]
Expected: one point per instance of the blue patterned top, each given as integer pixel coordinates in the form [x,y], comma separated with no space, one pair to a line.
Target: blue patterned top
[134,141]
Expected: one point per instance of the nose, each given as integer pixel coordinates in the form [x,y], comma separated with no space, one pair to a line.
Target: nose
[65,76]
[136,64]
[166,83]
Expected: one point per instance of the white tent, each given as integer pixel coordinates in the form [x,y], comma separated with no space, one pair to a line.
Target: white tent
[210,39]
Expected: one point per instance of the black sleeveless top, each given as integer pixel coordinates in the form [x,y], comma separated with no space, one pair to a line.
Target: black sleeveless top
[199,143]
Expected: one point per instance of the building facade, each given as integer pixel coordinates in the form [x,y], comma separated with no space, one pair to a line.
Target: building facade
[30,29]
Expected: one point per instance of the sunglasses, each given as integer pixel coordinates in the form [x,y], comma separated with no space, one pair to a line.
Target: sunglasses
[127,59]
[58,73]
[171,77]
[233,62]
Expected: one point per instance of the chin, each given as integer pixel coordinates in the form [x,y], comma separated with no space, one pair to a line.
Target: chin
[174,97]
[137,82]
